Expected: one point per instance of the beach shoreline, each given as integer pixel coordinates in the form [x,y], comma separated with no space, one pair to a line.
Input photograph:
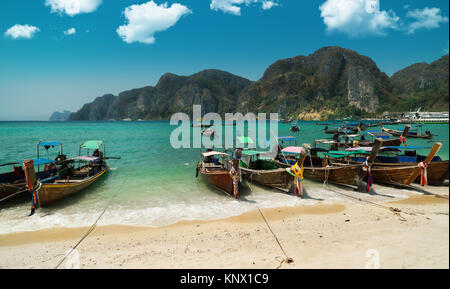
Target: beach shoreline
[406,233]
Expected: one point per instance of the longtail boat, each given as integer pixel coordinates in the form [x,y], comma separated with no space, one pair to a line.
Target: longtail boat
[412,134]
[90,169]
[352,141]
[341,130]
[262,169]
[389,156]
[13,184]
[294,127]
[322,169]
[219,173]
[403,174]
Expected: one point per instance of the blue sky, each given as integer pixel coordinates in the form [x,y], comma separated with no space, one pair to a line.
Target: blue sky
[60,54]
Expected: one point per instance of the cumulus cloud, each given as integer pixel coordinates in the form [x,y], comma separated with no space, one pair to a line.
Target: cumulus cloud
[233,6]
[70,31]
[19,31]
[148,18]
[73,7]
[357,17]
[267,5]
[427,18]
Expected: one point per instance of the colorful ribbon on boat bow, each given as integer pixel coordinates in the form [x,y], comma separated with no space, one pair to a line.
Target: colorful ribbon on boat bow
[423,173]
[235,175]
[297,172]
[403,140]
[34,201]
[369,175]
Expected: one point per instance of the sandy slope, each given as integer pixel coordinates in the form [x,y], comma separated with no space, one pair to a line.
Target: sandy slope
[321,236]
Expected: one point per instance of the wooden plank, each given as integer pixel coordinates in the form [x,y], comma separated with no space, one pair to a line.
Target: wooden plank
[434,150]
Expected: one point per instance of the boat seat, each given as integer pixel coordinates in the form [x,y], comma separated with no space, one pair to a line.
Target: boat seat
[211,165]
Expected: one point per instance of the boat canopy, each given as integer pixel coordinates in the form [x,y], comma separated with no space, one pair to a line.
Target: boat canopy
[50,143]
[386,148]
[92,144]
[214,153]
[406,147]
[86,158]
[292,150]
[251,153]
[377,133]
[42,161]
[343,154]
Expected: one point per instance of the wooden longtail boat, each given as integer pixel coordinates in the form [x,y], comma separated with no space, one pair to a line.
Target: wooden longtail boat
[323,169]
[90,170]
[267,172]
[412,134]
[13,184]
[216,172]
[402,174]
[336,145]
[437,170]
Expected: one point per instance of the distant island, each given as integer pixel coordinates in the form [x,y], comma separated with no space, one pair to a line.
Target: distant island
[333,82]
[60,116]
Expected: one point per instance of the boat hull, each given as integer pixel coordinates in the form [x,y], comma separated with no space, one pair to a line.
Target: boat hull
[336,174]
[49,193]
[276,178]
[220,179]
[13,187]
[437,172]
[7,191]
[393,175]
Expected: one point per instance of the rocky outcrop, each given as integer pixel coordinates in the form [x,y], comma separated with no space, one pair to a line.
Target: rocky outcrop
[215,90]
[333,81]
[60,116]
[330,77]
[423,85]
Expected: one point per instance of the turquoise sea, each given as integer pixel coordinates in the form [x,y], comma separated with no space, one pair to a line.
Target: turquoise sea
[153,183]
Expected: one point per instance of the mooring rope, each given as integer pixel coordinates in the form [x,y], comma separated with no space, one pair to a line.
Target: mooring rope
[92,226]
[286,259]
[15,194]
[393,210]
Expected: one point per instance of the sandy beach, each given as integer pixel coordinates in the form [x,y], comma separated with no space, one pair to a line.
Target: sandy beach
[403,233]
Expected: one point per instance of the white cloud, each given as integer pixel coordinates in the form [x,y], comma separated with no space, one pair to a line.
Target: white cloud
[21,31]
[146,19]
[73,7]
[428,18]
[70,31]
[357,17]
[233,6]
[267,5]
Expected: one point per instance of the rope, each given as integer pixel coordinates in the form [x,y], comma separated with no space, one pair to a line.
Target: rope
[287,259]
[91,228]
[395,211]
[15,194]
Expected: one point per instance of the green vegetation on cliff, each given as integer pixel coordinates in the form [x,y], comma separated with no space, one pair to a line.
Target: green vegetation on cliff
[333,81]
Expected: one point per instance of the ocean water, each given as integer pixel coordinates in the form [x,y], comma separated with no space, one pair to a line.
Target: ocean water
[152,184]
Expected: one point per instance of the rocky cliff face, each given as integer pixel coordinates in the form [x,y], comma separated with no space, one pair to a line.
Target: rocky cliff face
[423,85]
[332,80]
[60,116]
[215,90]
[330,77]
